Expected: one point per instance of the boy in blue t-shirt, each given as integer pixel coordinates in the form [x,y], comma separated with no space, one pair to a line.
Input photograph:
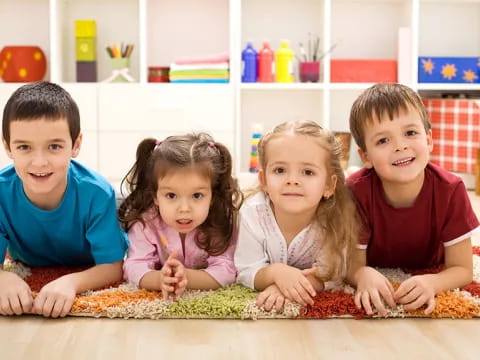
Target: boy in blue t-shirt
[53,211]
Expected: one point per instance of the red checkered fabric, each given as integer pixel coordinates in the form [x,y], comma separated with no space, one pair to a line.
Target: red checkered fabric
[456,133]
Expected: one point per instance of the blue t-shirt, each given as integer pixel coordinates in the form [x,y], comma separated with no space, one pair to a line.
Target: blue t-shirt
[82,231]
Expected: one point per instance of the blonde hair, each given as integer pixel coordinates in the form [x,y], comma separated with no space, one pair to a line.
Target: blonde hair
[337,215]
[380,99]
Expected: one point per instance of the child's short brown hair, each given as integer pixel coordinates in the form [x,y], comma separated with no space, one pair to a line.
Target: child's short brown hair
[41,100]
[380,99]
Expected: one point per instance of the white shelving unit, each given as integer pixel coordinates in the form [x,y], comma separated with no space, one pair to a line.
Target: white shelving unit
[116,116]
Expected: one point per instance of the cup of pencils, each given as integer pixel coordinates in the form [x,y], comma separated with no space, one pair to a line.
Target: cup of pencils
[120,63]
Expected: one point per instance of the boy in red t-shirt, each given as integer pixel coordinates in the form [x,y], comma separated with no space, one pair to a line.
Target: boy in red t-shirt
[415,214]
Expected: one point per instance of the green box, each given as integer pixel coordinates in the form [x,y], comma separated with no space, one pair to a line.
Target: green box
[85,49]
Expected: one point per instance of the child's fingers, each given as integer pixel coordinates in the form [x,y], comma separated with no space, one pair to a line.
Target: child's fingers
[47,307]
[15,305]
[404,288]
[271,301]
[305,296]
[378,303]
[430,306]
[261,298]
[296,297]
[26,301]
[171,280]
[279,303]
[358,299]
[414,294]
[308,287]
[387,294]
[67,306]
[57,307]
[365,299]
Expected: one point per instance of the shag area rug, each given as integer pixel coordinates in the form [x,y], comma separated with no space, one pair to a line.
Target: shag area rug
[237,302]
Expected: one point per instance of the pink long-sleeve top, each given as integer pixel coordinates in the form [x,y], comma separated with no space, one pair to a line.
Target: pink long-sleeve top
[147,252]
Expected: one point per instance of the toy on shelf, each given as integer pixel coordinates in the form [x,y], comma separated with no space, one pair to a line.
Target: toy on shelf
[283,62]
[120,63]
[266,61]
[448,69]
[249,62]
[22,64]
[86,57]
[254,166]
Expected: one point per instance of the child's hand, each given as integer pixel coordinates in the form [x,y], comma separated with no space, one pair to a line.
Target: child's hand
[294,285]
[317,284]
[371,288]
[271,297]
[168,280]
[180,276]
[417,291]
[55,298]
[15,294]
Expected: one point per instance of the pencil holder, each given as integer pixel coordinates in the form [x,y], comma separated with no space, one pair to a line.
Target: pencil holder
[120,70]
[309,71]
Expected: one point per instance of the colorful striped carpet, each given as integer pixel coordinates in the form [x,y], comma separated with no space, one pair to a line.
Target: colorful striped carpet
[236,302]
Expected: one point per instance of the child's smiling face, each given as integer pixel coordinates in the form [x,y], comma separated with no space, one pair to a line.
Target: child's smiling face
[397,149]
[41,151]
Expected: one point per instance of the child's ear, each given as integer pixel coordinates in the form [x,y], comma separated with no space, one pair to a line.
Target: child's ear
[76,145]
[330,188]
[7,148]
[261,180]
[430,140]
[364,157]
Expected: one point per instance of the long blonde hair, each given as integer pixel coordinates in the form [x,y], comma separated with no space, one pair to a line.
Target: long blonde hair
[336,215]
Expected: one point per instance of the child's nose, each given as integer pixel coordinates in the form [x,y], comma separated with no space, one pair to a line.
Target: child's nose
[184,205]
[400,145]
[292,181]
[39,159]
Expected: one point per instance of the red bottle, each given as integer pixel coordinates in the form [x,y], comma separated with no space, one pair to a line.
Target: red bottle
[266,64]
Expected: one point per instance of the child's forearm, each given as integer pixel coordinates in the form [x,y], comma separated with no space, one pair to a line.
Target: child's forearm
[152,280]
[96,276]
[266,276]
[200,280]
[451,278]
[359,260]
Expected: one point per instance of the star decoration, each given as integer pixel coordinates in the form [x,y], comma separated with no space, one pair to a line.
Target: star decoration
[428,65]
[449,71]
[469,76]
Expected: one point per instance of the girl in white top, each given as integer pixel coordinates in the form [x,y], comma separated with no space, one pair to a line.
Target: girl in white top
[298,231]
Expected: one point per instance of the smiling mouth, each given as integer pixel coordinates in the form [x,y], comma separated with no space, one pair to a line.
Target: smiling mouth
[403,162]
[41,175]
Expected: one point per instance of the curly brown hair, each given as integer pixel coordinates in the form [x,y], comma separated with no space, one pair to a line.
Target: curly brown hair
[336,215]
[199,150]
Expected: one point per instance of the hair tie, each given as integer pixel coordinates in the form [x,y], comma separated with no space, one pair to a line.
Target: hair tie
[211,144]
[157,144]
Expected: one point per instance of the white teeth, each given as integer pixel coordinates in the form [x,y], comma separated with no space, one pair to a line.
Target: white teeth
[41,174]
[404,161]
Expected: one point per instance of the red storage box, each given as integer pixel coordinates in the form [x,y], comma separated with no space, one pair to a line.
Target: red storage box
[363,70]
[456,133]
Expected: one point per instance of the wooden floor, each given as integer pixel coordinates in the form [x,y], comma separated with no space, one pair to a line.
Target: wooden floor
[29,337]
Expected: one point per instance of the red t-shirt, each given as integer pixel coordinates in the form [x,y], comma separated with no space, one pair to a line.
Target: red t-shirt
[412,237]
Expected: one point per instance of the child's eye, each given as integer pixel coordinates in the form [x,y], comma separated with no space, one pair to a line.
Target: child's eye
[23,147]
[170,196]
[197,196]
[278,170]
[411,133]
[382,141]
[308,172]
[55,147]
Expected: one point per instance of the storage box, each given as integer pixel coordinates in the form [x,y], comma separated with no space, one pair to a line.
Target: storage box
[456,133]
[363,70]
[448,69]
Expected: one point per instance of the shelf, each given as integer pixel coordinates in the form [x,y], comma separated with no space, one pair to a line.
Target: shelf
[448,87]
[282,86]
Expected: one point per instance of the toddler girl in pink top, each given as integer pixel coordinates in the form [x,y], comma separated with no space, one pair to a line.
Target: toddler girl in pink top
[180,215]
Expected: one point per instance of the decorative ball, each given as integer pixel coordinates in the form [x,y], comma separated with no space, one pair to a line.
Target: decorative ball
[22,64]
